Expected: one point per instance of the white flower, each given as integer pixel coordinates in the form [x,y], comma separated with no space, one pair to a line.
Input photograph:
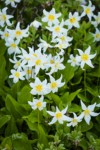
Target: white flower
[25,57]
[55,84]
[35,24]
[37,103]
[17,63]
[5,34]
[55,63]
[29,72]
[12,2]
[51,17]
[13,46]
[88,112]
[73,61]
[74,121]
[4,18]
[57,29]
[85,57]
[97,20]
[19,33]
[58,116]
[97,35]
[16,75]
[44,45]
[73,20]
[40,88]
[88,10]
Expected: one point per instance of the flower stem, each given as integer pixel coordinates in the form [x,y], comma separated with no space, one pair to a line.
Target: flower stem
[85,82]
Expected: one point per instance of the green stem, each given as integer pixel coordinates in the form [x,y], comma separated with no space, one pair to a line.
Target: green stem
[85,82]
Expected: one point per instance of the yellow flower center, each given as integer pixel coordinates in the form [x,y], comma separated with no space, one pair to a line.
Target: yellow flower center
[62,38]
[13,45]
[53,85]
[18,63]
[87,11]
[35,55]
[74,120]
[97,35]
[57,29]
[17,74]
[51,17]
[85,57]
[98,19]
[18,32]
[39,88]
[86,112]
[38,62]
[58,115]
[4,17]
[73,20]
[6,34]
[74,60]
[29,71]
[39,104]
[51,61]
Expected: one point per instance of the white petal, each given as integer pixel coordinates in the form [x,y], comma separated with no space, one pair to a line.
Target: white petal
[94,114]
[87,119]
[91,107]
[83,106]
[51,113]
[53,121]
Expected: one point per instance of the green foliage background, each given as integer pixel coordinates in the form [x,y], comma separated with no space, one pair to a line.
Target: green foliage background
[20,127]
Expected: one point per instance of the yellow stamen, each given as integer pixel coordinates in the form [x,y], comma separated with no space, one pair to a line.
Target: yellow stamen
[86,112]
[38,62]
[57,29]
[17,74]
[53,85]
[18,32]
[73,20]
[58,115]
[39,104]
[13,45]
[51,17]
[85,57]
[39,88]
[87,11]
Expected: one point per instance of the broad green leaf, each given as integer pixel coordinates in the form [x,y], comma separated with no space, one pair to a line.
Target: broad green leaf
[42,135]
[84,127]
[55,98]
[11,127]
[16,109]
[2,70]
[2,47]
[4,119]
[24,95]
[21,142]
[68,98]
[68,72]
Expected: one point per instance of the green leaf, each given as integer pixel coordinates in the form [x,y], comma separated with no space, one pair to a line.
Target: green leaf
[16,109]
[21,142]
[84,127]
[4,119]
[24,95]
[42,135]
[11,127]
[2,47]
[2,70]
[55,98]
[68,72]
[68,98]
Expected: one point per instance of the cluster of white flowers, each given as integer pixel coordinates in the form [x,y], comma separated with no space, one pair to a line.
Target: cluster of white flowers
[86,114]
[28,63]
[11,2]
